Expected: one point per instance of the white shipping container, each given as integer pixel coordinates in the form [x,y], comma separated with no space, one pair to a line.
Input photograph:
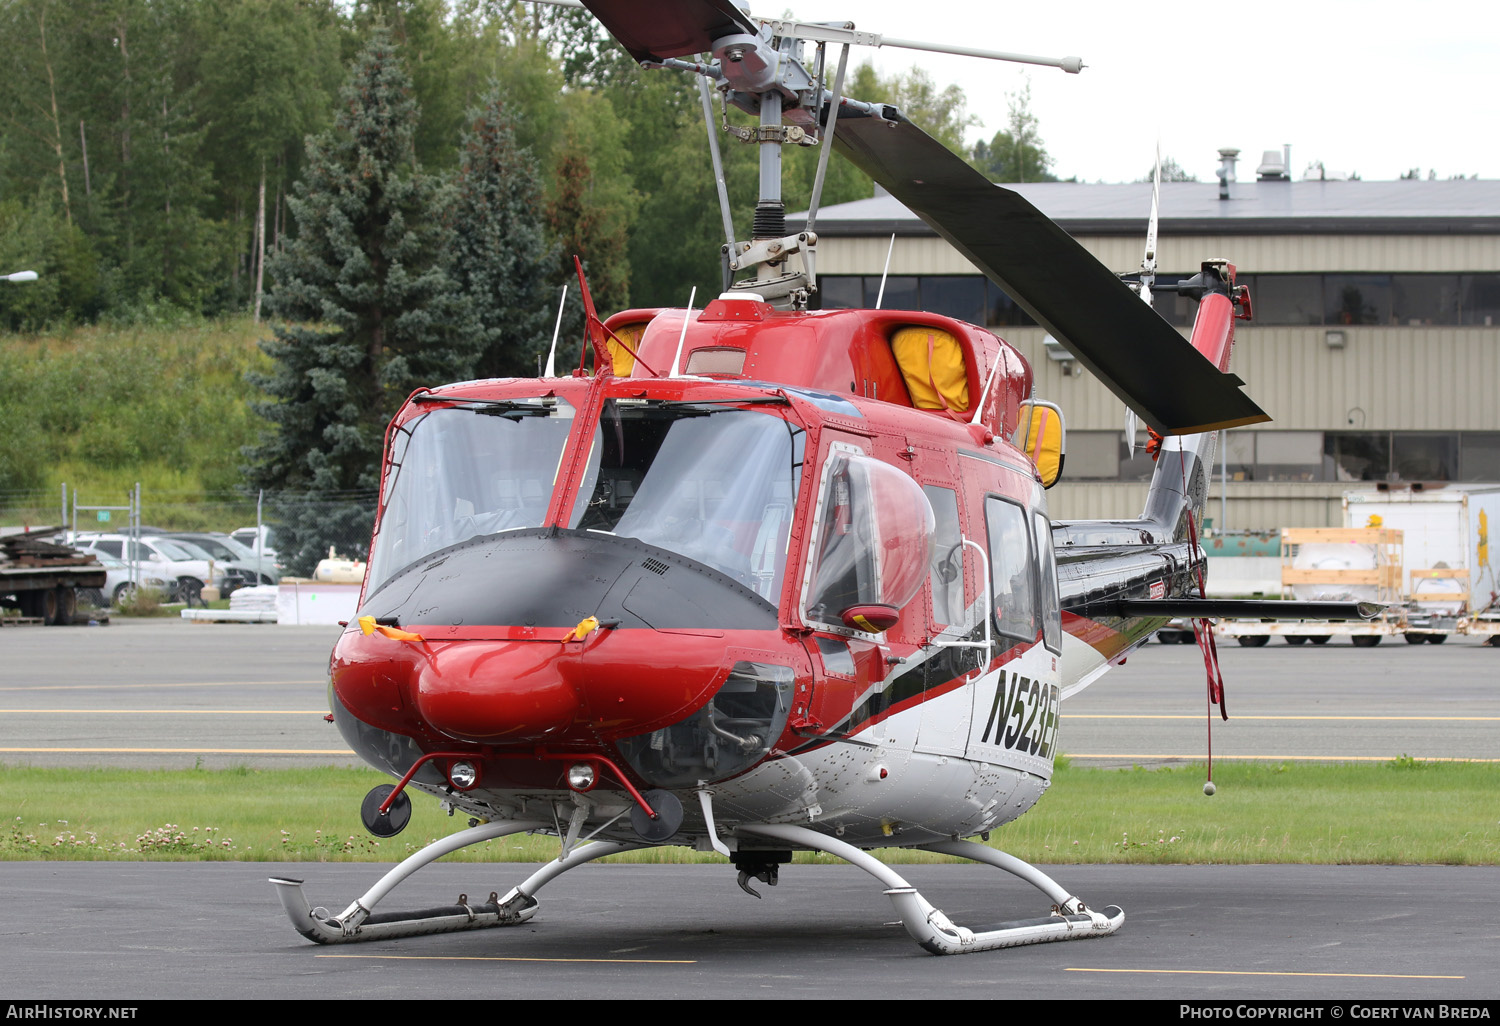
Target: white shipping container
[1448,566]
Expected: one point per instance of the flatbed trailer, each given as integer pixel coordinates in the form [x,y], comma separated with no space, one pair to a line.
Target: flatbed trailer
[1422,551]
[42,579]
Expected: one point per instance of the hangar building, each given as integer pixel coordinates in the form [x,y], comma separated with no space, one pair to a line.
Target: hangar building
[1375,343]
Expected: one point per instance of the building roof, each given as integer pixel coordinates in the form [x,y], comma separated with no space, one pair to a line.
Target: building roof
[1405,207]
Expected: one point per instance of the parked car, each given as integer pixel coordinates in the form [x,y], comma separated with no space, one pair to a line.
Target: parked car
[117,583]
[1178,631]
[169,560]
[243,568]
[261,541]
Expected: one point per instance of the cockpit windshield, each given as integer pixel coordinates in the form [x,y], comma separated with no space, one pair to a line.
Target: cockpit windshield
[715,483]
[463,471]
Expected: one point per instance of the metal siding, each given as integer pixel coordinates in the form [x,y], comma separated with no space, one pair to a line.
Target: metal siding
[1392,378]
[1385,378]
[1249,253]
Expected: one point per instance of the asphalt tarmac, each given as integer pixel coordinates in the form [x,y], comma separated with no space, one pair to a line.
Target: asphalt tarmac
[168,693]
[123,931]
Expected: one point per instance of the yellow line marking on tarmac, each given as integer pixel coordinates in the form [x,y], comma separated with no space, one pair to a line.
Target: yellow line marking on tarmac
[185,751]
[184,712]
[1198,757]
[1231,972]
[1199,716]
[189,684]
[511,958]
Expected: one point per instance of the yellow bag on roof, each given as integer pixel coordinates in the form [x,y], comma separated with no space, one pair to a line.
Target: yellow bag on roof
[932,362]
[621,358]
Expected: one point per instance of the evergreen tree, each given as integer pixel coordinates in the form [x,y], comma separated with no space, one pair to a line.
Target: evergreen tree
[1171,171]
[502,259]
[374,312]
[594,232]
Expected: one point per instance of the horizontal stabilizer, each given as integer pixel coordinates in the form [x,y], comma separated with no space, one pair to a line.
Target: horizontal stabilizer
[1234,609]
[1085,306]
[670,28]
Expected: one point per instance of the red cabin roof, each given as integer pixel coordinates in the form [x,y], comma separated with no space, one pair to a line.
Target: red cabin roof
[840,351]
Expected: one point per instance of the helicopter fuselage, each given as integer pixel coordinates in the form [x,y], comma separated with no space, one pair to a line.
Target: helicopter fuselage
[772,580]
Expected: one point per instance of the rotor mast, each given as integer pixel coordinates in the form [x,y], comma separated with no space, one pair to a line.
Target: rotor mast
[756,65]
[763,74]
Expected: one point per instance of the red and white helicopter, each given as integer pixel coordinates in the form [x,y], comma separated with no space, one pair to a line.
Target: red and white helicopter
[774,579]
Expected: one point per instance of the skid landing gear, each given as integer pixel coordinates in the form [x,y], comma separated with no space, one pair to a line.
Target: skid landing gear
[359,922]
[934,931]
[928,926]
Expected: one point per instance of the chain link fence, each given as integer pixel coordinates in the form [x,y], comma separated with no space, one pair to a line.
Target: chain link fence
[300,529]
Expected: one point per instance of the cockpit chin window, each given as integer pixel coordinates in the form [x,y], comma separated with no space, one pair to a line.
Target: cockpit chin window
[731,733]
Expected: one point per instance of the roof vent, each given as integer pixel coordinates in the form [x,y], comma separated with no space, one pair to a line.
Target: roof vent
[1227,159]
[1272,167]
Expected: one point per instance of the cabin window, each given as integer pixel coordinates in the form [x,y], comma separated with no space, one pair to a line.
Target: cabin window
[873,541]
[1012,582]
[713,482]
[718,360]
[947,557]
[468,470]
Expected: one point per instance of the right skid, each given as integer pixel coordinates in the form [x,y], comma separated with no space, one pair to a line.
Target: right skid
[931,928]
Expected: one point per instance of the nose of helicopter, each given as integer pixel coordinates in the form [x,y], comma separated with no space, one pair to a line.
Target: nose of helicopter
[610,684]
[497,692]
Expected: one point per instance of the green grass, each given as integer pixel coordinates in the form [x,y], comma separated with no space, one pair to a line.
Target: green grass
[1399,812]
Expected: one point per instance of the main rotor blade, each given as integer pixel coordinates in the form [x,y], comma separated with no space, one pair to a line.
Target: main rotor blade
[669,28]
[1127,345]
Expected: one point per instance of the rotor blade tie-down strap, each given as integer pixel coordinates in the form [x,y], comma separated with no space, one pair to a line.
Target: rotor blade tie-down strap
[1203,634]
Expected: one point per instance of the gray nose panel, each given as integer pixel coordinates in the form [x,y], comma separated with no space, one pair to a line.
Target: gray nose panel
[545,578]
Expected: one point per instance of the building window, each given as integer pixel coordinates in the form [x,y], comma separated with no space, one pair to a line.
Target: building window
[1000,310]
[1286,299]
[1138,466]
[1420,299]
[1480,299]
[841,291]
[1289,456]
[966,297]
[958,296]
[1479,456]
[1334,456]
[1092,456]
[1424,457]
[1359,456]
[1357,299]
[1277,299]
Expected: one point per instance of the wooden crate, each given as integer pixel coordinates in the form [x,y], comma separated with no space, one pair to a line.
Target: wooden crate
[1385,544]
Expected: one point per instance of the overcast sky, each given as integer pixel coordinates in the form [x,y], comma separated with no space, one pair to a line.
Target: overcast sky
[1374,87]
